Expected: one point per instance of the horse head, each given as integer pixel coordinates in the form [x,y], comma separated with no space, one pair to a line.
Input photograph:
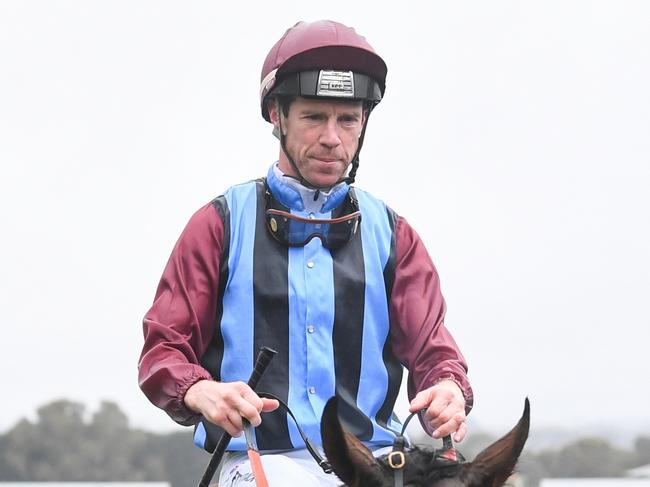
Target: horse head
[355,465]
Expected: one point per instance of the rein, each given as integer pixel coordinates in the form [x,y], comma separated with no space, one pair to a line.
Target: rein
[313,451]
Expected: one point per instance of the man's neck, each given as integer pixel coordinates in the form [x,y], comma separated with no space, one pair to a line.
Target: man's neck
[313,199]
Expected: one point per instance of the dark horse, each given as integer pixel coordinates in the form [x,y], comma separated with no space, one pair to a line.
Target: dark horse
[355,465]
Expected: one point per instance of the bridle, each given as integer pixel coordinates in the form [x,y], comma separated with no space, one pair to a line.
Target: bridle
[396,459]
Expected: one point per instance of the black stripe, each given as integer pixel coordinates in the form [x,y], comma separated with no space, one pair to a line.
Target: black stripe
[347,336]
[212,435]
[213,356]
[393,366]
[271,318]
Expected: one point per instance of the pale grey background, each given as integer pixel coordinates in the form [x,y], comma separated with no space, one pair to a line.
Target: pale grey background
[514,136]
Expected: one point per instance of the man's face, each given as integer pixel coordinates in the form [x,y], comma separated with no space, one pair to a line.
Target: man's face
[321,137]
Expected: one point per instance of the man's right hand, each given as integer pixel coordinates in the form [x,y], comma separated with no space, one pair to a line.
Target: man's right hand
[225,403]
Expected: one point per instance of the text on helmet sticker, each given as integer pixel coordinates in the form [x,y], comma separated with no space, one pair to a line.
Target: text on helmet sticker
[339,84]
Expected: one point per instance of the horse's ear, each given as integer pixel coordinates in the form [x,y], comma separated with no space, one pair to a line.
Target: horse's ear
[351,461]
[493,466]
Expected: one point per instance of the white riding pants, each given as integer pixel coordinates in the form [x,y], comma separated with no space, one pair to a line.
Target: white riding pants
[285,469]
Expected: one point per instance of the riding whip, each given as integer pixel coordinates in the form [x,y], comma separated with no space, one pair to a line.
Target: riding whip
[262,362]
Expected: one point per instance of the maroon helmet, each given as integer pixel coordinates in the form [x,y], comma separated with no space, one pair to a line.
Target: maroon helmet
[323,59]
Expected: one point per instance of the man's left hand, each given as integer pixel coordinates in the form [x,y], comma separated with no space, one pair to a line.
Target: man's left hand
[445,409]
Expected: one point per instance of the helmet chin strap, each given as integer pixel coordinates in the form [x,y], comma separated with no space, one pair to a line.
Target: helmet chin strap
[355,160]
[349,179]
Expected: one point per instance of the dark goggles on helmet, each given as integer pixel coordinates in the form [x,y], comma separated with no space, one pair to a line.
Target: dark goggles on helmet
[296,231]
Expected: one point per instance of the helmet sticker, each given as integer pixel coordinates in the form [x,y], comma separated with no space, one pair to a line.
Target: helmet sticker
[267,82]
[336,84]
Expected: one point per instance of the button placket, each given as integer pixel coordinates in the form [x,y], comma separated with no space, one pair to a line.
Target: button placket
[313,259]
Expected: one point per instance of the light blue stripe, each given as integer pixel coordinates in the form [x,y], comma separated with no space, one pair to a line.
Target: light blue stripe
[237,321]
[311,357]
[199,436]
[376,239]
[320,315]
[297,396]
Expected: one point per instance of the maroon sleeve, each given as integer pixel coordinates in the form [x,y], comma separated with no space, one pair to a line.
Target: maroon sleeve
[417,309]
[181,321]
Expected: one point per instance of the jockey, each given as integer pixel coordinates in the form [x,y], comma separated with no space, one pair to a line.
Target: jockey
[305,263]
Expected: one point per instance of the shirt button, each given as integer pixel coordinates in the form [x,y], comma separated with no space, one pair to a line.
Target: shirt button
[311,329]
[310,264]
[312,390]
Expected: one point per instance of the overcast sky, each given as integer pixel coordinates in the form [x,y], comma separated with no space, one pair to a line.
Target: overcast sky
[514,136]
